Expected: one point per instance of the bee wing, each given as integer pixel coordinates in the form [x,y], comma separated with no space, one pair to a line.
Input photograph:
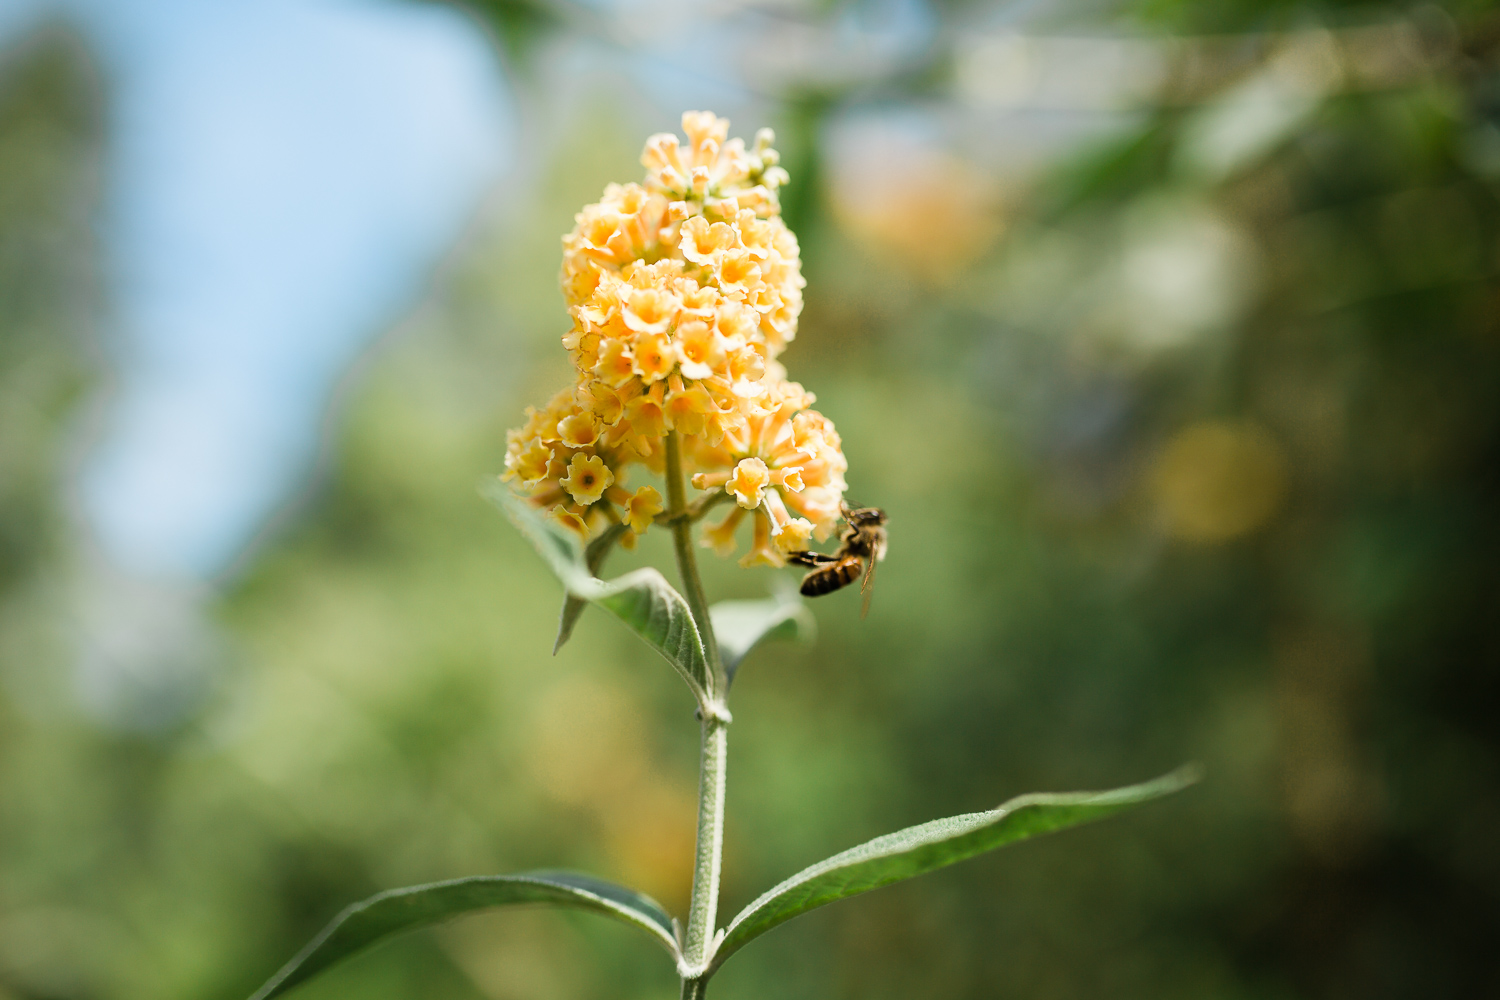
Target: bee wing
[811,558]
[867,585]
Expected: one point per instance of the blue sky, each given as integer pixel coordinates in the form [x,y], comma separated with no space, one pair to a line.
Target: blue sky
[281,177]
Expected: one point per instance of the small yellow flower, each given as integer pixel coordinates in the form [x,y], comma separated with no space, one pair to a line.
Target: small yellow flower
[571,521]
[720,537]
[528,462]
[596,230]
[616,365]
[704,242]
[588,478]
[750,477]
[662,158]
[603,402]
[650,310]
[579,430]
[654,357]
[793,536]
[700,349]
[737,322]
[704,127]
[746,365]
[641,509]
[757,236]
[762,551]
[698,300]
[789,478]
[687,408]
[710,480]
[647,420]
[737,270]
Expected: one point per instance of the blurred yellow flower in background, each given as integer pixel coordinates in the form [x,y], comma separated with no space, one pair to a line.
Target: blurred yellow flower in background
[1216,481]
[928,212]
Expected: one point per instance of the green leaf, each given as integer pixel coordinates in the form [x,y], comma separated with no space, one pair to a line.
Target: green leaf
[363,924]
[740,626]
[593,558]
[642,599]
[920,849]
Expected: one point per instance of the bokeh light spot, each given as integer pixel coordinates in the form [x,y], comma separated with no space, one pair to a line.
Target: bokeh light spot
[1217,481]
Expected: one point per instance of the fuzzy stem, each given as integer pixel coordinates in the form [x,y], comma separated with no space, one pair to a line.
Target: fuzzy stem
[698,939]
[687,562]
[694,511]
[703,909]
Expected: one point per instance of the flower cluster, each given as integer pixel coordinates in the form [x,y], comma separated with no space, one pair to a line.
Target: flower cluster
[683,291]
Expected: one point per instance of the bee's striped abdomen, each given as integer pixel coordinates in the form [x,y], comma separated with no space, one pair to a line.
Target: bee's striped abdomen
[827,579]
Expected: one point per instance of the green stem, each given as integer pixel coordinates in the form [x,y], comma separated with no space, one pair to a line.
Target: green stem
[687,562]
[698,937]
[694,511]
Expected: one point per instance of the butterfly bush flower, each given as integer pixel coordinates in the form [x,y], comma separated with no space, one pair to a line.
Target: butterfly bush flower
[683,291]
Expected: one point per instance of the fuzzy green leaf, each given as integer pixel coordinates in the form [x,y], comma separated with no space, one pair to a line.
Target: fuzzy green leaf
[642,599]
[740,626]
[378,917]
[920,849]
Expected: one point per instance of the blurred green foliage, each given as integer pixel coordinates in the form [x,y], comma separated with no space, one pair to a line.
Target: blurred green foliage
[1191,449]
[49,152]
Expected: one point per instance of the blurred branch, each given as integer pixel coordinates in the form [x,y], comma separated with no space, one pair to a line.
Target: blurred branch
[521,24]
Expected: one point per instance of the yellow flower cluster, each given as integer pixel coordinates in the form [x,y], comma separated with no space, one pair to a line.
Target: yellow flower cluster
[683,291]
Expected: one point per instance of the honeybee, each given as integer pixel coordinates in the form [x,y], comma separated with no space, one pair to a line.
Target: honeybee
[861,546]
